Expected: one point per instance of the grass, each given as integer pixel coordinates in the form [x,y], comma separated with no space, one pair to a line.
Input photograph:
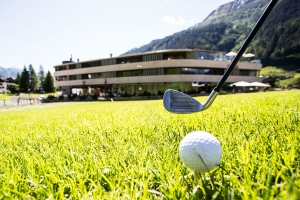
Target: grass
[8,97]
[35,95]
[129,150]
[275,71]
[5,97]
[291,81]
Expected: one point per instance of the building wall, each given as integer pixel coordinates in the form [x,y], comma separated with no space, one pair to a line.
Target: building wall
[135,80]
[160,64]
[156,79]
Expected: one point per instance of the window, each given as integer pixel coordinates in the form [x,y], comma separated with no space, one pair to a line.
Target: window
[153,72]
[72,66]
[73,77]
[137,73]
[188,71]
[91,64]
[60,68]
[151,57]
[108,62]
[169,71]
[120,74]
[61,78]
[108,75]
[96,75]
[248,73]
[127,73]
[170,56]
[235,72]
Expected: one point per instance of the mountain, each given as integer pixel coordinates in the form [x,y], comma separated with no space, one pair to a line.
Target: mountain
[12,72]
[237,12]
[227,27]
[278,41]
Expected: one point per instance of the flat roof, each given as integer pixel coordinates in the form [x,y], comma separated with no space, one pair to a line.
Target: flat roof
[147,53]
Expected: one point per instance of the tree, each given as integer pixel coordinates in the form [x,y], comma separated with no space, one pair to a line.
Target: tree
[33,79]
[49,83]
[24,80]
[272,80]
[41,77]
[18,78]
[13,87]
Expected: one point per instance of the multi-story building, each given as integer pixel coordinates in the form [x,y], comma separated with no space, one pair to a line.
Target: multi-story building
[152,73]
[4,82]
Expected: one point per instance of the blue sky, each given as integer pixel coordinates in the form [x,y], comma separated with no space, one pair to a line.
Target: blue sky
[48,32]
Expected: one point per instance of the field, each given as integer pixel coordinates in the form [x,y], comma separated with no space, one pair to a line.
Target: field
[129,150]
[5,97]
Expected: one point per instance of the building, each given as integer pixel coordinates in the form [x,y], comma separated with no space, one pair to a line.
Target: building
[151,73]
[4,82]
[2,85]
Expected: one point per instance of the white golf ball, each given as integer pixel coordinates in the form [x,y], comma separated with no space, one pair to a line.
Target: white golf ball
[200,151]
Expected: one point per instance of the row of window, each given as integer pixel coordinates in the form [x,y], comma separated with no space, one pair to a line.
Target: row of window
[140,89]
[150,88]
[157,72]
[144,58]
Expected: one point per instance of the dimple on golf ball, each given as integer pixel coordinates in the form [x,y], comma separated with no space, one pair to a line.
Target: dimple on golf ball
[200,151]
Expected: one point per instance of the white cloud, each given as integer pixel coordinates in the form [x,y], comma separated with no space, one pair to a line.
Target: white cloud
[168,1]
[175,22]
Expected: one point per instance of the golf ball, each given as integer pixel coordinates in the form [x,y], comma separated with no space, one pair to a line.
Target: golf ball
[200,151]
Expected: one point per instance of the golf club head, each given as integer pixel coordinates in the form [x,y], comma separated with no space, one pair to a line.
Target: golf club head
[180,103]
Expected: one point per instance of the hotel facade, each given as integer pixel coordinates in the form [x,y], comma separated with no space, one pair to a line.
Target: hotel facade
[151,73]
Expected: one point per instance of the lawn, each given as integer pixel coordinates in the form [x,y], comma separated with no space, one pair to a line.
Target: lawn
[5,97]
[129,150]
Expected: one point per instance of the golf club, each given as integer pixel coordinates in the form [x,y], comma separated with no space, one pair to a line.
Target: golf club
[178,102]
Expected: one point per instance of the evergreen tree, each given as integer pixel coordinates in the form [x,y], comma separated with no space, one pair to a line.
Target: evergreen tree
[24,80]
[18,78]
[41,77]
[33,79]
[49,83]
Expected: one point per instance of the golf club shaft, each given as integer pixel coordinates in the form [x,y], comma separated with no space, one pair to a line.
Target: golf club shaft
[250,37]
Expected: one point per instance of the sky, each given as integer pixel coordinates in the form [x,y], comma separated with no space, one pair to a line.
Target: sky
[45,33]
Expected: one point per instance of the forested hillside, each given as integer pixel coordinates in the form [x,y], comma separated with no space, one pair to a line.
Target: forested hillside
[210,37]
[226,28]
[278,42]
[239,12]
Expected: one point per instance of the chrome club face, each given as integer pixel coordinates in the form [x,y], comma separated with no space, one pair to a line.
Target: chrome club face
[180,103]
